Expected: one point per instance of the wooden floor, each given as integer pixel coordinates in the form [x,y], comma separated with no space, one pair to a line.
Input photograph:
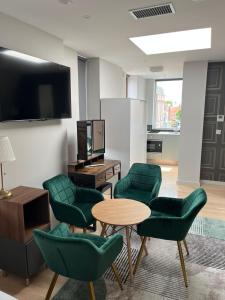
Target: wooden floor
[215,208]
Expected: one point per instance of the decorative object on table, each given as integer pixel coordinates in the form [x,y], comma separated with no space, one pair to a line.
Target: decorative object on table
[142,183]
[90,138]
[121,212]
[28,208]
[72,204]
[171,219]
[6,154]
[78,256]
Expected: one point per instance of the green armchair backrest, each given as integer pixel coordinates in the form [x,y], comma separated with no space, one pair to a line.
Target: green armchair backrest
[61,189]
[71,204]
[144,176]
[167,226]
[75,255]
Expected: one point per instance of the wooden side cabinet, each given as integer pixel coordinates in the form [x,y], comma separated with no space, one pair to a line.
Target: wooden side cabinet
[27,209]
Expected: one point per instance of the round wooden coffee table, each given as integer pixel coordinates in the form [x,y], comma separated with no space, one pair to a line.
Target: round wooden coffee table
[121,212]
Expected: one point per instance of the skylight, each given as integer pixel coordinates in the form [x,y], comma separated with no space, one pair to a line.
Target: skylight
[24,56]
[187,40]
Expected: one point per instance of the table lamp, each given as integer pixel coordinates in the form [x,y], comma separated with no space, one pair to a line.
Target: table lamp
[6,154]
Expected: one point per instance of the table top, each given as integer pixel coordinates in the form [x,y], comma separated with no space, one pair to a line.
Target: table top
[87,170]
[121,212]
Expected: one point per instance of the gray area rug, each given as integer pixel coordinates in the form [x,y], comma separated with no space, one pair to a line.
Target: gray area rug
[159,275]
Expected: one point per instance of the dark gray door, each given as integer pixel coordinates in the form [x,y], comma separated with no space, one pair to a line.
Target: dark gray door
[213,146]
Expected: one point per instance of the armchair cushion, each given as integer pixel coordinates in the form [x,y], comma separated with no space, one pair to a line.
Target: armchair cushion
[135,194]
[166,206]
[142,183]
[87,195]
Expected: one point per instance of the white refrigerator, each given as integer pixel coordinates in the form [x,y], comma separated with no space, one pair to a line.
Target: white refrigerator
[125,130]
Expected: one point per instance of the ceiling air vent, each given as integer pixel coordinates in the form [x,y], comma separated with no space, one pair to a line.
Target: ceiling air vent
[151,11]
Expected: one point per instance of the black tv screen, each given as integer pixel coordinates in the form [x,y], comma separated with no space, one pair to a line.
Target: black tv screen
[32,89]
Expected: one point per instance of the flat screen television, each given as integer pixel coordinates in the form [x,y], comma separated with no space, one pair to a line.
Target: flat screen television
[32,89]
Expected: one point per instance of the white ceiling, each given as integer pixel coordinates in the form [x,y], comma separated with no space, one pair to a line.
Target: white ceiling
[101,28]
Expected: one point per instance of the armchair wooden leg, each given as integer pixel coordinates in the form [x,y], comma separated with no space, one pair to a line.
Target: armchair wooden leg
[91,290]
[115,271]
[84,230]
[182,263]
[140,254]
[52,285]
[186,246]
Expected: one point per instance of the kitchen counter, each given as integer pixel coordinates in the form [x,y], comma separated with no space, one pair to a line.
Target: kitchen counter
[163,133]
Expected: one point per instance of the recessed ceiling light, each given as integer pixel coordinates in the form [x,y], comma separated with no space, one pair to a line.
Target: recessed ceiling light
[156,69]
[86,17]
[66,2]
[24,56]
[187,40]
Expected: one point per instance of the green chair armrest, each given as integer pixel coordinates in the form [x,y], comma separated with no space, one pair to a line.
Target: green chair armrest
[112,243]
[109,251]
[122,185]
[68,213]
[167,205]
[168,228]
[156,187]
[88,195]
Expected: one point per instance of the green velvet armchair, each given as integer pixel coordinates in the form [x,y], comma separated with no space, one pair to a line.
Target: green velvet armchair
[79,256]
[72,204]
[171,219]
[142,183]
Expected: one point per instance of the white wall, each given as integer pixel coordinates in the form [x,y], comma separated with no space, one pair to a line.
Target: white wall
[112,80]
[150,92]
[136,88]
[193,104]
[104,80]
[42,149]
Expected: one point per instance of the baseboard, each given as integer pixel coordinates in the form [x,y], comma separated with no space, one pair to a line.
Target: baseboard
[163,162]
[212,182]
[189,183]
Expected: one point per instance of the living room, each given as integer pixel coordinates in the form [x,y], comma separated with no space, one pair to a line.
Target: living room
[98,31]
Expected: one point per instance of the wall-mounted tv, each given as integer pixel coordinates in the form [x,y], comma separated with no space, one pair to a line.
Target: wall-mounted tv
[32,89]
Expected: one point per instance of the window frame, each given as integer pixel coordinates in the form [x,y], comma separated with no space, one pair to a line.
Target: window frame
[154,105]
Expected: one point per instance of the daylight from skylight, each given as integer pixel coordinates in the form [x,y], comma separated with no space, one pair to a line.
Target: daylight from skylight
[187,40]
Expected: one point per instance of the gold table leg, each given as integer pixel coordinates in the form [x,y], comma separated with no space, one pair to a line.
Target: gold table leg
[140,254]
[103,229]
[129,253]
[91,290]
[115,271]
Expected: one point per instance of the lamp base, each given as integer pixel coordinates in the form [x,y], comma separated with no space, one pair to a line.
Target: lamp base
[5,194]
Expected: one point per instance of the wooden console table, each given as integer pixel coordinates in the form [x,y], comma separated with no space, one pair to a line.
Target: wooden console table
[84,175]
[27,209]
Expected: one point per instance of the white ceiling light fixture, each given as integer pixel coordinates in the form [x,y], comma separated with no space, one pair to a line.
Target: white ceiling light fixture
[156,69]
[186,40]
[24,56]
[66,2]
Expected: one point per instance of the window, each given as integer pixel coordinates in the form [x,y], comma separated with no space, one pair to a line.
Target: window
[167,104]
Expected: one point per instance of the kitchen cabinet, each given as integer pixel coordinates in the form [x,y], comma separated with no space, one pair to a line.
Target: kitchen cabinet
[170,146]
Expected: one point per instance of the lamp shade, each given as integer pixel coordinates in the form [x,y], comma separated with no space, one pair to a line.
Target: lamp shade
[6,151]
